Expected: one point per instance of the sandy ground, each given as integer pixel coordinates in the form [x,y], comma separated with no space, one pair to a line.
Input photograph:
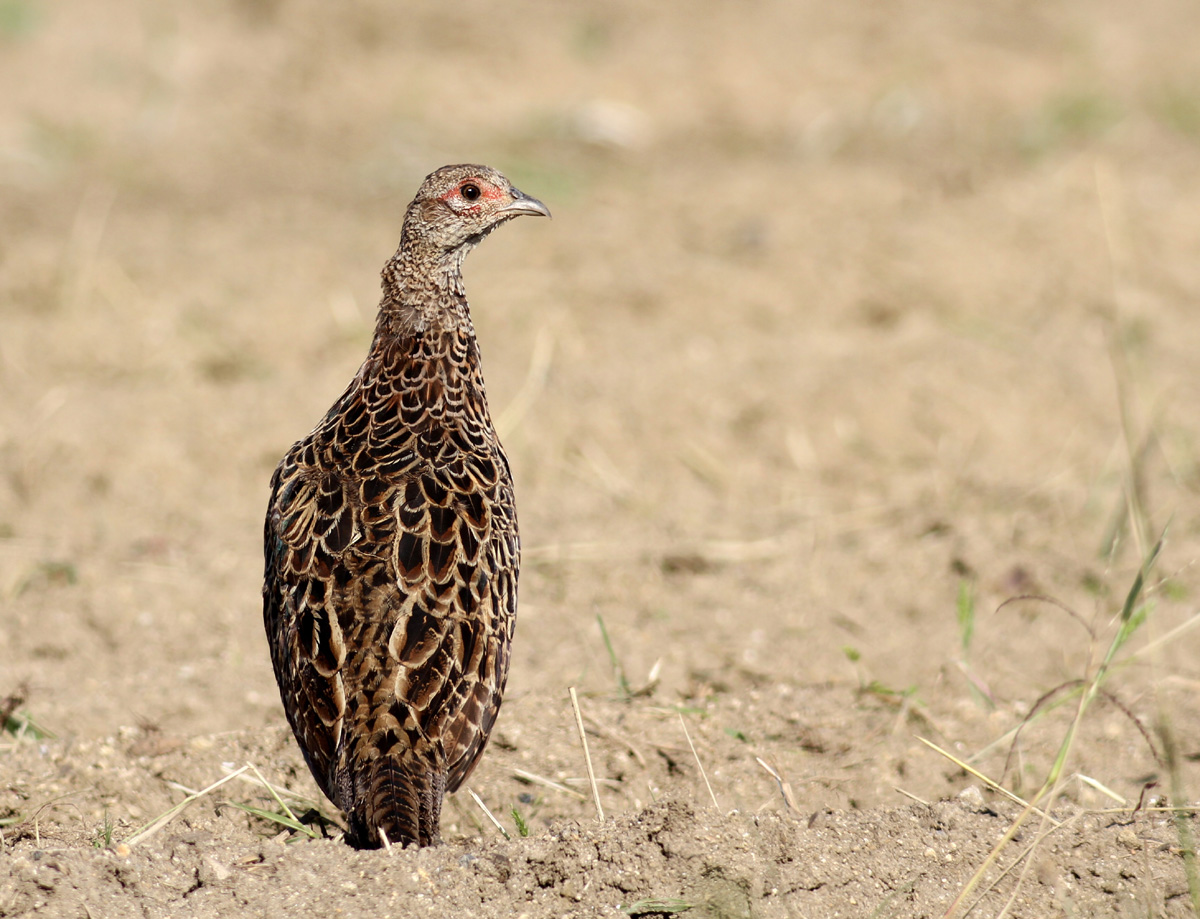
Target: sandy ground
[854,321]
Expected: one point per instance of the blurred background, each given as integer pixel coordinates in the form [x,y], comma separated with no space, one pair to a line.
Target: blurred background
[853,320]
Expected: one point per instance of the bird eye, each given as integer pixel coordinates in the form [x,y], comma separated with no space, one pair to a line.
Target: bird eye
[470,191]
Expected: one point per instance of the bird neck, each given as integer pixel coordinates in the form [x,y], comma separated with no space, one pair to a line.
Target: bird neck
[424,318]
[422,268]
[399,323]
[424,289]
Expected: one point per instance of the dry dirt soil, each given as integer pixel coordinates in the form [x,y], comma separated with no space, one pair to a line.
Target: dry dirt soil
[854,321]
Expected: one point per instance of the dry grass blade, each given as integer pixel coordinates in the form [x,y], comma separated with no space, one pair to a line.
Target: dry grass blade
[605,731]
[732,551]
[167,816]
[614,784]
[991,783]
[599,464]
[1024,859]
[271,788]
[714,552]
[993,855]
[703,774]
[1150,647]
[909,795]
[285,817]
[536,779]
[1103,789]
[487,813]
[83,245]
[1133,614]
[708,467]
[652,680]
[1183,821]
[1001,876]
[587,756]
[1186,810]
[1165,639]
[1052,601]
[278,791]
[785,788]
[1116,230]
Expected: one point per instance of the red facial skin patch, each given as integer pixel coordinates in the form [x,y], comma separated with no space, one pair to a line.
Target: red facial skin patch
[488,192]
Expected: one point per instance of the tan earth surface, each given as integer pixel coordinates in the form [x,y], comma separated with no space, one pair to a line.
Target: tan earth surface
[853,321]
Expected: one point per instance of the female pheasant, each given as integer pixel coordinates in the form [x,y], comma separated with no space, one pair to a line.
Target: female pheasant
[391,543]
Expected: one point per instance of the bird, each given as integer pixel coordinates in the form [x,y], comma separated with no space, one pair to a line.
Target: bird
[391,543]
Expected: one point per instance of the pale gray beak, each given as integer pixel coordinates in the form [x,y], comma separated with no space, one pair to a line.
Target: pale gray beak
[523,205]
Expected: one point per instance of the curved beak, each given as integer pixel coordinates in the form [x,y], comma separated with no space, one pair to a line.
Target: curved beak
[523,205]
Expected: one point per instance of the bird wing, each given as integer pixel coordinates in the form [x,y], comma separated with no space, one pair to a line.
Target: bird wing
[390,597]
[309,524]
[456,559]
[469,722]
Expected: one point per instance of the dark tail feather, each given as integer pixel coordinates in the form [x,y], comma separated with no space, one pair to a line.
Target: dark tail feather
[403,801]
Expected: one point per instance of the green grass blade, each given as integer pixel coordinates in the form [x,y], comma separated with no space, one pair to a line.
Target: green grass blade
[519,822]
[966,613]
[618,670]
[21,724]
[287,819]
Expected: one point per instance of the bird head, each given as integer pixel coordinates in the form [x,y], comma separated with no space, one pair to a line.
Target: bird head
[457,206]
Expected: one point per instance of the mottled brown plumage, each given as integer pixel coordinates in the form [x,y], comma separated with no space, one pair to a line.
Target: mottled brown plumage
[391,543]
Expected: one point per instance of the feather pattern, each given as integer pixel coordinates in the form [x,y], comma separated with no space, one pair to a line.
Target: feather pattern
[391,541]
